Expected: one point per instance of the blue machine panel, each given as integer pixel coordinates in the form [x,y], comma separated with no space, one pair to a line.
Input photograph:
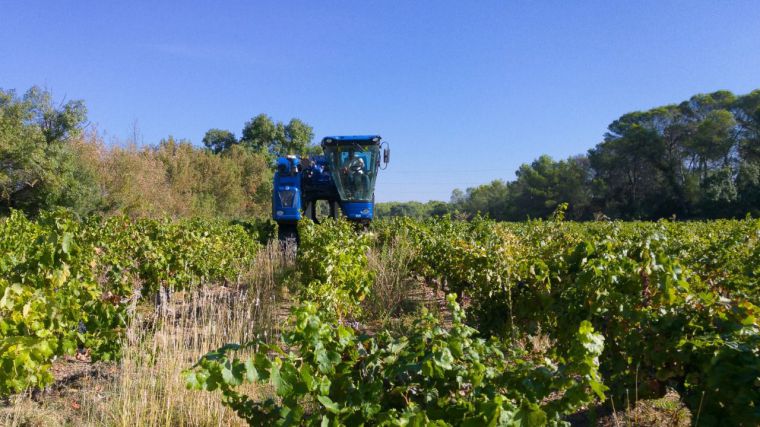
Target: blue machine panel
[358,210]
[286,194]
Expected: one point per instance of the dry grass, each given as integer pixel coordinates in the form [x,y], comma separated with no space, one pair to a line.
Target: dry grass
[146,387]
[392,286]
[666,411]
[150,389]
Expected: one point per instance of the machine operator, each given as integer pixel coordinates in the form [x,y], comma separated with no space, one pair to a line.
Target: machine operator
[357,176]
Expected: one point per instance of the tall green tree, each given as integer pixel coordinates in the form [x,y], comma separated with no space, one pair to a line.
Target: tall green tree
[297,137]
[38,167]
[712,141]
[625,165]
[261,133]
[747,112]
[544,184]
[219,140]
[488,199]
[748,189]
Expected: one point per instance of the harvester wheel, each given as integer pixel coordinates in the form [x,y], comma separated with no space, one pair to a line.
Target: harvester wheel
[287,234]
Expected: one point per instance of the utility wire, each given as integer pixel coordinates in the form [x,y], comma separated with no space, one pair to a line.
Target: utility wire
[448,171]
[448,184]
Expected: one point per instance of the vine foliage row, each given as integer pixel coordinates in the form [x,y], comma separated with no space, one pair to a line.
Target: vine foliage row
[67,285]
[326,373]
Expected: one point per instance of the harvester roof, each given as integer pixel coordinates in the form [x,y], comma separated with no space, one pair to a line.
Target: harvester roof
[351,140]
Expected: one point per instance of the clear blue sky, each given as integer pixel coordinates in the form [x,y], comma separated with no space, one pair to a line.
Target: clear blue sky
[464,91]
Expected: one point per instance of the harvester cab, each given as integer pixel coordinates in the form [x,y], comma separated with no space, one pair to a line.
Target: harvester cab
[344,176]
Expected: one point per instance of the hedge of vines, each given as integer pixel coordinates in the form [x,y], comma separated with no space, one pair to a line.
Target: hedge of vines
[676,302]
[329,374]
[66,285]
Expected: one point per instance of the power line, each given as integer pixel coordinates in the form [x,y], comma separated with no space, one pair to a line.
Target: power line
[431,183]
[448,171]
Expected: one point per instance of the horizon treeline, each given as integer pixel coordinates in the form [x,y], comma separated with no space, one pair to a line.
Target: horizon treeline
[695,160]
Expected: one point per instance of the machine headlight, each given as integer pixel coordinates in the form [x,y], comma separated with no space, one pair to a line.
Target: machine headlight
[280,213]
[287,197]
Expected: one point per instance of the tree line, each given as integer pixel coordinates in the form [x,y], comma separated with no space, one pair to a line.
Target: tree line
[51,157]
[696,159]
